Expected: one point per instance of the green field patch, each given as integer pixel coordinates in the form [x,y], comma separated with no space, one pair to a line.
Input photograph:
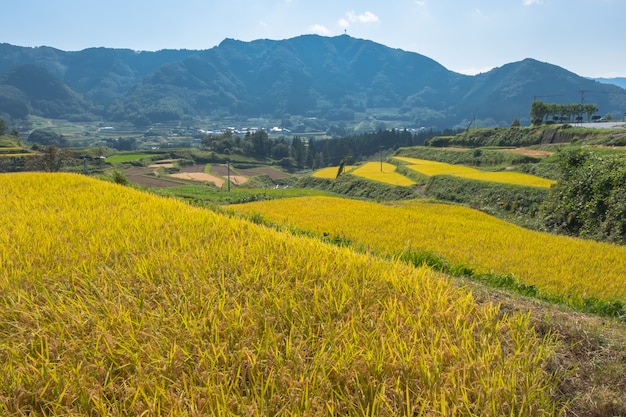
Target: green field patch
[130,157]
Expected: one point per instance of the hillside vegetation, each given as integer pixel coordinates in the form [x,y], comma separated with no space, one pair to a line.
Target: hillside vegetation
[335,80]
[117,302]
[529,136]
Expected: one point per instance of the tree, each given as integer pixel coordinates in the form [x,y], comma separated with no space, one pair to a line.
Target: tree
[311,150]
[559,112]
[538,111]
[341,168]
[260,143]
[590,198]
[280,150]
[3,127]
[590,109]
[50,159]
[47,137]
[298,151]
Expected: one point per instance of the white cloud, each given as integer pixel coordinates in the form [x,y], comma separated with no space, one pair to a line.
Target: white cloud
[367,17]
[421,3]
[531,2]
[320,30]
[351,17]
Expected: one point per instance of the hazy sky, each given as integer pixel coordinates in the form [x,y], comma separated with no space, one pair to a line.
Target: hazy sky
[468,36]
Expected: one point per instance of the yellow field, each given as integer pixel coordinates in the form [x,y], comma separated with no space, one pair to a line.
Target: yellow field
[14,155]
[372,171]
[431,168]
[330,172]
[116,302]
[559,265]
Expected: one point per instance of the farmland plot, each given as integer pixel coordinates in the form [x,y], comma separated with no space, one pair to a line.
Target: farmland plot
[118,302]
[431,168]
[566,267]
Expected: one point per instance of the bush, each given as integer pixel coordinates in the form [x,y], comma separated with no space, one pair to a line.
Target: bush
[590,198]
[120,178]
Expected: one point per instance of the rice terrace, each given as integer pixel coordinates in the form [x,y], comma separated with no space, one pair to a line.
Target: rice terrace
[425,281]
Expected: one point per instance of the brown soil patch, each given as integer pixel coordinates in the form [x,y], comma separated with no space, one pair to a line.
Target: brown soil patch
[238,179]
[529,152]
[152,181]
[235,174]
[269,171]
[222,170]
[146,177]
[199,176]
[249,172]
[167,165]
[137,171]
[193,168]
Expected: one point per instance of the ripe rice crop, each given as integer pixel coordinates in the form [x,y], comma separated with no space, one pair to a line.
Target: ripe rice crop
[561,266]
[431,168]
[117,302]
[330,172]
[373,171]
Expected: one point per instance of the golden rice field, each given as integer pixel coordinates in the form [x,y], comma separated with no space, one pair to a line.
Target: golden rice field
[560,266]
[116,302]
[432,168]
[373,171]
[330,172]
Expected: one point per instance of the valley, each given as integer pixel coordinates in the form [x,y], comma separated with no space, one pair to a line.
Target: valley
[312,226]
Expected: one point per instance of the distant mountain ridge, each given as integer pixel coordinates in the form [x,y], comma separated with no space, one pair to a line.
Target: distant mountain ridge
[618,81]
[333,78]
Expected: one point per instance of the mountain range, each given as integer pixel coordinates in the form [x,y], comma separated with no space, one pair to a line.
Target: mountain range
[333,78]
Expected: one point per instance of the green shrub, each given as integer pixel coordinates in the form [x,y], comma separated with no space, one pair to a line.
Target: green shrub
[120,178]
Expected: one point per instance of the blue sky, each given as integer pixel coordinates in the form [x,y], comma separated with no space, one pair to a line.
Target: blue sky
[468,36]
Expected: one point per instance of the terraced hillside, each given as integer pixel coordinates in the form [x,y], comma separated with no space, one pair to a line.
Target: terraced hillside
[117,302]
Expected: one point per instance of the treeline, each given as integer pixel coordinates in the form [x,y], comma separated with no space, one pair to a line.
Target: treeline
[307,153]
[560,113]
